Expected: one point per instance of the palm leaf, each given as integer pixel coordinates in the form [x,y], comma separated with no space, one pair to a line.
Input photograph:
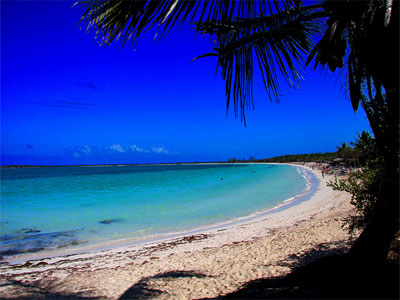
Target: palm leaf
[354,88]
[276,31]
[279,42]
[110,20]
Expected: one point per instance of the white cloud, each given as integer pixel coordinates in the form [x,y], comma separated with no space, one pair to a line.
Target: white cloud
[160,150]
[135,148]
[116,147]
[86,149]
[82,151]
[132,147]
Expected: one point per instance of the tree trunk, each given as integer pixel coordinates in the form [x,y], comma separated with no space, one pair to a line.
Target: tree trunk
[375,240]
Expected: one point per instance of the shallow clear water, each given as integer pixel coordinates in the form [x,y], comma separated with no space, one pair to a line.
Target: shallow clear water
[61,207]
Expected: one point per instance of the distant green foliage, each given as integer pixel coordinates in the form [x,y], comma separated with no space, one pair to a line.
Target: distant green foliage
[328,156]
[364,188]
[363,185]
[366,146]
[363,149]
[348,152]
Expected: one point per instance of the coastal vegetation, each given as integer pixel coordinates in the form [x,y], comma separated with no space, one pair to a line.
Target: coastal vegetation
[360,37]
[312,157]
[364,184]
[357,153]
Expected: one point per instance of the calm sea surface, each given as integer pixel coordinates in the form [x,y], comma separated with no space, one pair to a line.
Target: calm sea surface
[64,207]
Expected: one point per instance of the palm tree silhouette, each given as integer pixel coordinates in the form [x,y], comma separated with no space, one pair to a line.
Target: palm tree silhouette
[342,147]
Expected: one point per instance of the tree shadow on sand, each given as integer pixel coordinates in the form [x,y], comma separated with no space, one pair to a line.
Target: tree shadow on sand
[142,289]
[36,292]
[333,275]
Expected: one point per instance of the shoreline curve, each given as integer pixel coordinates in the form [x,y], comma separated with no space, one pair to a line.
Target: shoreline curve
[203,265]
[312,184]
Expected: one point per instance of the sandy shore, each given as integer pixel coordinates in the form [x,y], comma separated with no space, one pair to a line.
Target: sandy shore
[205,264]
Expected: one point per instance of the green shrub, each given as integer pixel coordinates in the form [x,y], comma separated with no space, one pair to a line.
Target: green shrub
[364,186]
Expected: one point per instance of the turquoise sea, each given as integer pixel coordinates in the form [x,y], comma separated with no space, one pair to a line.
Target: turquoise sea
[52,208]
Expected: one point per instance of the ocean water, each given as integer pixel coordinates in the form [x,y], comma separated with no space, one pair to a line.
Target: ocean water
[52,208]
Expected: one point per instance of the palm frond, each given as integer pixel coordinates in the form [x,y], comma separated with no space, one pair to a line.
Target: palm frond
[358,31]
[279,42]
[110,20]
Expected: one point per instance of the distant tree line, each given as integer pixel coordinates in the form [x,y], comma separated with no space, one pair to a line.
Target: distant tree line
[328,156]
[234,159]
[345,152]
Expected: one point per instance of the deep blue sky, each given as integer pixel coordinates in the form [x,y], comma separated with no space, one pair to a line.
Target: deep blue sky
[65,100]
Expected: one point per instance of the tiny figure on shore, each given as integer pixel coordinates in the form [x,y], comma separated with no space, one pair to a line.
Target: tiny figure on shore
[323,173]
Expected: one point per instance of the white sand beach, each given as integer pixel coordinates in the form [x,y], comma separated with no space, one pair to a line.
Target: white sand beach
[205,264]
